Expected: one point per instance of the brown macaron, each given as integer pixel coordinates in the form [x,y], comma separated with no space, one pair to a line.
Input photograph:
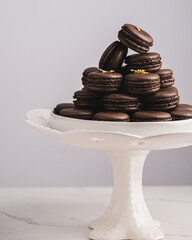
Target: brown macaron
[166,99]
[77,113]
[61,106]
[166,77]
[150,61]
[151,116]
[182,112]
[112,116]
[135,38]
[183,106]
[102,81]
[120,102]
[86,98]
[141,84]
[113,56]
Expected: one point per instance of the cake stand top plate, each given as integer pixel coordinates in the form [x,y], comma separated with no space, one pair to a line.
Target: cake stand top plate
[112,135]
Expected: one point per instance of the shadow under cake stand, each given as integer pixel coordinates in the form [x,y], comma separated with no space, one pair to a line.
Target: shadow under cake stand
[127,144]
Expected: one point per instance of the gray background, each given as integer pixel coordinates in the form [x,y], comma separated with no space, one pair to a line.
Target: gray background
[44,47]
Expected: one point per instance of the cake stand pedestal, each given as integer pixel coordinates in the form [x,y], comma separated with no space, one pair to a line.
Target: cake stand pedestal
[127,216]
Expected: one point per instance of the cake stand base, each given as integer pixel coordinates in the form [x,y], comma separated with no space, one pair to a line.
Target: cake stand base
[127,216]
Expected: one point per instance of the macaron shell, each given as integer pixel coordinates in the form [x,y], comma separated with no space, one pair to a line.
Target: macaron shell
[61,106]
[165,99]
[112,116]
[85,98]
[121,97]
[183,106]
[143,91]
[88,104]
[166,77]
[89,70]
[179,114]
[164,73]
[113,56]
[120,102]
[141,84]
[135,38]
[103,82]
[142,78]
[85,93]
[86,73]
[151,61]
[142,58]
[151,116]
[167,82]
[164,93]
[77,113]
[139,33]
[131,44]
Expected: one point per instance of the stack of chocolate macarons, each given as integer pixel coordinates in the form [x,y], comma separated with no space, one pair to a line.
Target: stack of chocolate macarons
[127,88]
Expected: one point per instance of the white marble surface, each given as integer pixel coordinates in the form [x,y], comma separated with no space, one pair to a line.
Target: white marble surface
[64,213]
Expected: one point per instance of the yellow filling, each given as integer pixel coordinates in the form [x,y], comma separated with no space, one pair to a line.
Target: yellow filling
[138,29]
[140,71]
[103,71]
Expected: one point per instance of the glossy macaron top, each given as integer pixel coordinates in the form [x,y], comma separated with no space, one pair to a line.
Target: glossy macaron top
[112,116]
[105,75]
[77,113]
[151,116]
[142,78]
[140,59]
[183,106]
[89,70]
[84,92]
[164,72]
[94,72]
[61,106]
[138,33]
[113,56]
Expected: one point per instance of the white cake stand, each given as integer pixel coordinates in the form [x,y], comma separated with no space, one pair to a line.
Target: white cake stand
[127,145]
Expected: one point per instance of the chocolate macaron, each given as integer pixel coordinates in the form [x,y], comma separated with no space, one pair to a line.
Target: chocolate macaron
[135,38]
[141,84]
[166,77]
[166,99]
[151,116]
[87,71]
[112,116]
[113,56]
[77,113]
[102,81]
[180,114]
[150,62]
[86,98]
[183,106]
[61,106]
[120,102]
